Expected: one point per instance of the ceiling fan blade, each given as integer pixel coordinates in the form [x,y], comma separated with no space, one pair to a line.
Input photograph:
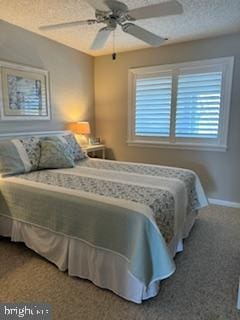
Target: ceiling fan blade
[66,25]
[156,10]
[98,5]
[101,38]
[116,5]
[143,34]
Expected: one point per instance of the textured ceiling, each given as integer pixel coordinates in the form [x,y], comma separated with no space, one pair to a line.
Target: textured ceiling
[201,19]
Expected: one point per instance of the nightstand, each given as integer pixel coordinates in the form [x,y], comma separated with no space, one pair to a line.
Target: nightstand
[92,149]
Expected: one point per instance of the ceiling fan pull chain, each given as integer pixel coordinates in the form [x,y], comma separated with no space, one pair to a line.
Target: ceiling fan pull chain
[114,55]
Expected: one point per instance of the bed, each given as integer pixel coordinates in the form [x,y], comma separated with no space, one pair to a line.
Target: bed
[118,224]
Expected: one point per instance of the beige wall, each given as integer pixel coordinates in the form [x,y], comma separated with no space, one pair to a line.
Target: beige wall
[219,171]
[71,77]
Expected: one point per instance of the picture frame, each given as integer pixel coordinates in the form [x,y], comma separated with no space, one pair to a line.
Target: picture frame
[24,93]
[95,140]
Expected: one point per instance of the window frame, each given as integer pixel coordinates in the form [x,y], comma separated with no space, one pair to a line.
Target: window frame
[224,65]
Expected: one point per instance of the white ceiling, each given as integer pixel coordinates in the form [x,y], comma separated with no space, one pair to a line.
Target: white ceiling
[201,19]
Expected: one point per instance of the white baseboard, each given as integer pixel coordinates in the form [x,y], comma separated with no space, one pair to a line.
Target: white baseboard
[224,203]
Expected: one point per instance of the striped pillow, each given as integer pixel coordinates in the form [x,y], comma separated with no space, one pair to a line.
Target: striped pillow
[13,158]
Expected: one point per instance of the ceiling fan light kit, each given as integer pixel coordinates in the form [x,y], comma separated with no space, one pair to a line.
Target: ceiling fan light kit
[115,13]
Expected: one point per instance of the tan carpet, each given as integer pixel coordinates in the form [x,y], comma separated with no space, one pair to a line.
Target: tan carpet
[203,287]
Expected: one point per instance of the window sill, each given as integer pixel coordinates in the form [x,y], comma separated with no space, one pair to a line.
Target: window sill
[177,145]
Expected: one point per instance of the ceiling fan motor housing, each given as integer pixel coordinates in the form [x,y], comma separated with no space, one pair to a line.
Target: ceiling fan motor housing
[116,16]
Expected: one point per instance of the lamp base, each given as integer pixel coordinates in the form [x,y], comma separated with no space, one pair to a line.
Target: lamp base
[82,140]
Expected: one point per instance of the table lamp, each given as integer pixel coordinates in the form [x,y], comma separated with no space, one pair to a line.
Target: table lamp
[82,131]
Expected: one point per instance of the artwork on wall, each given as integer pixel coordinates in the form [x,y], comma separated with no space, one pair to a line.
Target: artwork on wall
[24,93]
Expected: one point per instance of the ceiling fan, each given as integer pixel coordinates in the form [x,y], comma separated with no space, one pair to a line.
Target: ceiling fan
[113,13]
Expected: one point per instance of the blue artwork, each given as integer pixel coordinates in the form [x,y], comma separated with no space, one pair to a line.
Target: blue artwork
[25,95]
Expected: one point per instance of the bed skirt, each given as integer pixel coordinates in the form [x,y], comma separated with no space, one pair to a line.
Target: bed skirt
[104,268]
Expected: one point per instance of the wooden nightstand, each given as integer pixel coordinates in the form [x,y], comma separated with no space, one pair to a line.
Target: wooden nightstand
[92,149]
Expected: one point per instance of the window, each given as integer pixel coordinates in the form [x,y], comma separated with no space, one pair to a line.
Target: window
[181,106]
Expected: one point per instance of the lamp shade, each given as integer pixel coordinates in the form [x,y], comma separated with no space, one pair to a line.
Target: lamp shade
[80,127]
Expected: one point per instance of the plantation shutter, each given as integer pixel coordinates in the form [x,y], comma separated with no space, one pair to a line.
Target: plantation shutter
[198,105]
[153,106]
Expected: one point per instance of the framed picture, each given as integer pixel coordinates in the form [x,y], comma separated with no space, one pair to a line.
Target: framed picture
[24,93]
[95,141]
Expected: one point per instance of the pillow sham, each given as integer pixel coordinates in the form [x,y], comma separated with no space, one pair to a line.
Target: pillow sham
[32,148]
[13,158]
[55,154]
[77,152]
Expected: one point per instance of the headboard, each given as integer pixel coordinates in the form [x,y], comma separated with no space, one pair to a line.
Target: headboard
[6,136]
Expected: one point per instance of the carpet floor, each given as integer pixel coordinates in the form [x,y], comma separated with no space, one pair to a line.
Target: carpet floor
[204,285]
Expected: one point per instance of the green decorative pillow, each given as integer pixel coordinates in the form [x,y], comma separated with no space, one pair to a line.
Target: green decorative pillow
[55,155]
[61,139]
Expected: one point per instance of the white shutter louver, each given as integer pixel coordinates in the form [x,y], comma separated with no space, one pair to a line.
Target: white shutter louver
[153,106]
[198,105]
